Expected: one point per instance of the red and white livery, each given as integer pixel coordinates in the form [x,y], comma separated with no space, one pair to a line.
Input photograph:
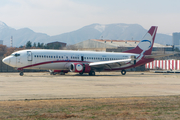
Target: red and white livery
[63,61]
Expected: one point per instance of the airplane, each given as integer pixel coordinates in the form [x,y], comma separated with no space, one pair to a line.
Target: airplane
[64,61]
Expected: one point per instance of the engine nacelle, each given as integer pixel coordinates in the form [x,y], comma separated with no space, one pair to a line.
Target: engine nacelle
[80,67]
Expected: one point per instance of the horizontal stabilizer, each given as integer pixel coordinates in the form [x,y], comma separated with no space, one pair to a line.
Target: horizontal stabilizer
[157,56]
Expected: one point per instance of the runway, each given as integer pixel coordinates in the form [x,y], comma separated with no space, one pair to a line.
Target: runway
[103,85]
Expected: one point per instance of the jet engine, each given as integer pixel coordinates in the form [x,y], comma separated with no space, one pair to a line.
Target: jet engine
[80,67]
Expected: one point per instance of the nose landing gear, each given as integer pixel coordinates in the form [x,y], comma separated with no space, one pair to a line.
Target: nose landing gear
[21,71]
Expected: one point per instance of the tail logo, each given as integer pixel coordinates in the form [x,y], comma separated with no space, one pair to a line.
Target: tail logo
[146,43]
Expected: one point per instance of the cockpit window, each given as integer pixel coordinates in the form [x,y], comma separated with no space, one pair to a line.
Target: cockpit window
[15,54]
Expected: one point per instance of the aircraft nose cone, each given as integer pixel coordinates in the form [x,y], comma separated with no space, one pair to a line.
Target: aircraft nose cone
[6,60]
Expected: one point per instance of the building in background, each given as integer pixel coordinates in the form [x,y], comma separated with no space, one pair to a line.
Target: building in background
[176,40]
[56,45]
[1,42]
[118,46]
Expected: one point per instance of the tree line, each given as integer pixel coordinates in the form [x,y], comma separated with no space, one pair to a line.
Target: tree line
[39,45]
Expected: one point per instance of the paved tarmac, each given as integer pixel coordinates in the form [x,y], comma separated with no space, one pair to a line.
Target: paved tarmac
[72,85]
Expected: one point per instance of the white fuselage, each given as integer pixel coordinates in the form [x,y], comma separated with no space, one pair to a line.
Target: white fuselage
[59,59]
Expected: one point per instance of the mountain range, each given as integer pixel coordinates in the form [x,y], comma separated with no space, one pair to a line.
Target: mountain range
[119,31]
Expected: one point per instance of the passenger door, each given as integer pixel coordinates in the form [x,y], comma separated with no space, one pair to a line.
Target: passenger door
[29,55]
[82,58]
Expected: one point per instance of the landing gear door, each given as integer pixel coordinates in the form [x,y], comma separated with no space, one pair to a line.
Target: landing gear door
[29,55]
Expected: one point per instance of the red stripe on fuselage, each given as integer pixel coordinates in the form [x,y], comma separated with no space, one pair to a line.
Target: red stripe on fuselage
[48,62]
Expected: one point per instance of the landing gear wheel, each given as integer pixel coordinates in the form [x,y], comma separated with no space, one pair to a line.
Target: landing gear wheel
[92,73]
[123,72]
[52,73]
[21,73]
[80,73]
[61,73]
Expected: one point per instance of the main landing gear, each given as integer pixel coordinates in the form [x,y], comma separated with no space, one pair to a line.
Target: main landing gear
[80,73]
[91,73]
[21,73]
[123,72]
[55,73]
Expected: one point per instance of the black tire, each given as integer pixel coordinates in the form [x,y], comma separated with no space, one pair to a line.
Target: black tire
[92,73]
[80,73]
[61,73]
[21,73]
[52,73]
[123,72]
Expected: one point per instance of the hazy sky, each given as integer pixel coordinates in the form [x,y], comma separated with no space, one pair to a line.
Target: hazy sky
[59,16]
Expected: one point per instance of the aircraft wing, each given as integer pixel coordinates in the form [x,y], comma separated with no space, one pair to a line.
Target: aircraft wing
[110,64]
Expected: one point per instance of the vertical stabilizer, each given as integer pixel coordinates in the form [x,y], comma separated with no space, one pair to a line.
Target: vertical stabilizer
[146,44]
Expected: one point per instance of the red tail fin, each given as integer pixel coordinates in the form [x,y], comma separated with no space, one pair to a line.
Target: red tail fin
[146,44]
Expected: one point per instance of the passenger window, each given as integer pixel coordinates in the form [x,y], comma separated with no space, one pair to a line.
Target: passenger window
[34,55]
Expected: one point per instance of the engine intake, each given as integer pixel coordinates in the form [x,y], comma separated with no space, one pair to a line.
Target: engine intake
[80,67]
